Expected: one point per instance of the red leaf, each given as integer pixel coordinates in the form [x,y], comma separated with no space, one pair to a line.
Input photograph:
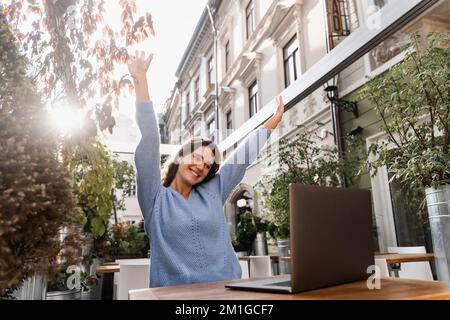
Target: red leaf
[150,24]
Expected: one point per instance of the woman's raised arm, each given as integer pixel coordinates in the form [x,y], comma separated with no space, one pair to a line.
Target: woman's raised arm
[147,156]
[233,170]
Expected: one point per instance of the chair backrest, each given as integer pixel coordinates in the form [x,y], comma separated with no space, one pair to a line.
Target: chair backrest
[382,264]
[413,270]
[260,266]
[134,274]
[244,268]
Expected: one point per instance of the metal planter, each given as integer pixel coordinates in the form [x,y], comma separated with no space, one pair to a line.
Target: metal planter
[438,202]
[33,288]
[284,250]
[260,244]
[65,295]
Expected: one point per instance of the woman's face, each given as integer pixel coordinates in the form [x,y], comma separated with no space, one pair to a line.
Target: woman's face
[195,167]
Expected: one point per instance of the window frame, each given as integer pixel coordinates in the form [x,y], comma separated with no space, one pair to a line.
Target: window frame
[253,97]
[295,58]
[211,70]
[229,122]
[250,25]
[210,133]
[227,49]
[197,89]
[188,104]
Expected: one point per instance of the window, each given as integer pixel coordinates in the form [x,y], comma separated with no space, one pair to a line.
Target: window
[132,193]
[210,70]
[338,21]
[250,18]
[197,89]
[211,127]
[410,219]
[291,59]
[188,106]
[253,98]
[227,56]
[229,123]
[379,3]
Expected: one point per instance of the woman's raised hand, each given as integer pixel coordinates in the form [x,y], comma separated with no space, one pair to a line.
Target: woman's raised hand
[138,65]
[278,116]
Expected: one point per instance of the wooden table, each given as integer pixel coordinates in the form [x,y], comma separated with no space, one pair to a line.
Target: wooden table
[108,269]
[108,279]
[247,258]
[390,257]
[391,289]
[394,260]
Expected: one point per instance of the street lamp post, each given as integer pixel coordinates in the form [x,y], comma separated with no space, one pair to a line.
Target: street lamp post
[216,76]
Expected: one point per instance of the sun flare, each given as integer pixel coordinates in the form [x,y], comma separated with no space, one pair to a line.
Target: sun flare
[66,119]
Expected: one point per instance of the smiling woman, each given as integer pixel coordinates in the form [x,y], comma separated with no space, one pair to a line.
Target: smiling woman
[196,162]
[183,211]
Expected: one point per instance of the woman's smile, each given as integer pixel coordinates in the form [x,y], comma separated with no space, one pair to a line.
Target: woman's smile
[194,173]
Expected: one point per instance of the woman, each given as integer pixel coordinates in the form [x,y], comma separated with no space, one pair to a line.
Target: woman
[183,211]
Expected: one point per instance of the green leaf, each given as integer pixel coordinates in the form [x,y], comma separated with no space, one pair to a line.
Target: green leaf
[98,227]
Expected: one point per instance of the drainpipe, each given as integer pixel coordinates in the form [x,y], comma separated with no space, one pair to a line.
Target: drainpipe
[178,85]
[335,110]
[216,75]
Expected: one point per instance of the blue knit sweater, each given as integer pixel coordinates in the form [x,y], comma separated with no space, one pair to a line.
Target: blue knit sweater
[189,238]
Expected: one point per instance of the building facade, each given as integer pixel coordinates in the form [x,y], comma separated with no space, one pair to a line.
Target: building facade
[123,143]
[264,47]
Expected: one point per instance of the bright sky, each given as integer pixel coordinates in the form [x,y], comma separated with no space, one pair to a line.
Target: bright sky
[174,23]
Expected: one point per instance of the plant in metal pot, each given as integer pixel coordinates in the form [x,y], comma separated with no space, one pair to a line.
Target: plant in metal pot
[301,160]
[245,233]
[413,101]
[127,241]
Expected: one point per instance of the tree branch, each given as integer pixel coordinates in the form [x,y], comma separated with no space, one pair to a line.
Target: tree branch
[384,120]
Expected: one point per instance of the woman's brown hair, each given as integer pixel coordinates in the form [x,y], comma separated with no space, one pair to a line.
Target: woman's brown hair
[171,166]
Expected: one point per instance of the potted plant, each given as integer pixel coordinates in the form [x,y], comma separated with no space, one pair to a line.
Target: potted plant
[260,243]
[245,234]
[413,102]
[301,160]
[127,241]
[36,199]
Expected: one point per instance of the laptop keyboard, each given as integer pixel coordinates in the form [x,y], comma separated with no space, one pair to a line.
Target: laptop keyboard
[280,284]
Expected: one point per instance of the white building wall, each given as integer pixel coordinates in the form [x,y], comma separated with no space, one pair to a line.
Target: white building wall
[306,19]
[123,143]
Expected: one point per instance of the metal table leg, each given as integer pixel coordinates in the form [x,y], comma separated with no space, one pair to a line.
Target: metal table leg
[108,286]
[394,269]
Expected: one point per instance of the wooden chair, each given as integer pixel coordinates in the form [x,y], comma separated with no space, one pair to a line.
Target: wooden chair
[134,274]
[244,268]
[260,266]
[413,270]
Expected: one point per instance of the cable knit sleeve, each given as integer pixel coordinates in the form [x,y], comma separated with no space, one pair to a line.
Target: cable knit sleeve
[233,169]
[147,158]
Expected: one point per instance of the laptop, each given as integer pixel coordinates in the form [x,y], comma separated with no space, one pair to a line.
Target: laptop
[331,240]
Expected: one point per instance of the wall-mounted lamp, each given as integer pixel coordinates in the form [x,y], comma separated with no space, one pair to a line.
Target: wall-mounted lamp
[241,203]
[355,131]
[333,96]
